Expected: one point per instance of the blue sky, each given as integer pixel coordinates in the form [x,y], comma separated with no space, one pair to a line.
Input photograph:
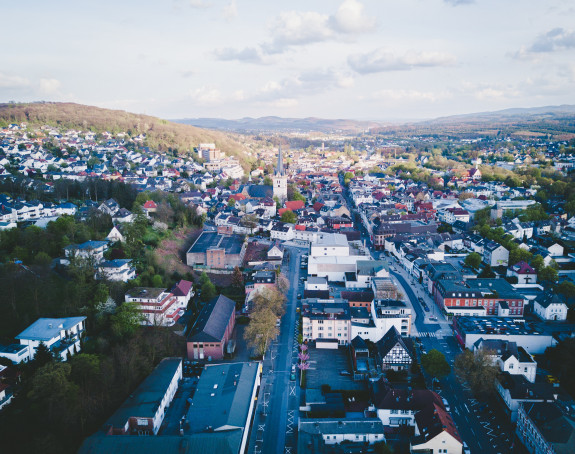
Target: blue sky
[363,59]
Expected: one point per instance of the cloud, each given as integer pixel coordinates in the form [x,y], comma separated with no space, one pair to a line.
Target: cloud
[206,95]
[231,10]
[49,86]
[459,2]
[553,40]
[381,60]
[410,95]
[483,91]
[199,4]
[9,81]
[247,55]
[350,18]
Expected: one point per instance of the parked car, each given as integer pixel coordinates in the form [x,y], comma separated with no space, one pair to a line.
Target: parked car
[344,372]
[299,296]
[446,404]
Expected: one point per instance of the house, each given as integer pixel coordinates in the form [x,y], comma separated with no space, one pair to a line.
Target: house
[275,252]
[116,270]
[509,357]
[5,392]
[393,351]
[523,272]
[437,432]
[60,335]
[545,427]
[115,235]
[109,206]
[149,207]
[349,432]
[157,306]
[494,254]
[550,306]
[123,216]
[326,320]
[282,231]
[93,250]
[261,279]
[212,330]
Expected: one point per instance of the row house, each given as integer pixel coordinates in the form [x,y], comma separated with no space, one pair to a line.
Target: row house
[327,320]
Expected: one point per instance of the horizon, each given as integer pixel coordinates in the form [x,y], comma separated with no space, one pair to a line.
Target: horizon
[361,59]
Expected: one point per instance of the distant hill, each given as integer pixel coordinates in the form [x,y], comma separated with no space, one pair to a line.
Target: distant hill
[280,124]
[160,134]
[555,121]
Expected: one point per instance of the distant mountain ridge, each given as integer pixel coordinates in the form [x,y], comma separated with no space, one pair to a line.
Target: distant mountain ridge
[279,124]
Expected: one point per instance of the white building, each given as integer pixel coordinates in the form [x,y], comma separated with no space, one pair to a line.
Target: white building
[349,430]
[509,357]
[157,306]
[327,320]
[116,270]
[331,245]
[60,335]
[550,306]
[93,250]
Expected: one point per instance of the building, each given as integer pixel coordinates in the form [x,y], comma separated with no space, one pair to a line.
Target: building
[394,352]
[384,315]
[93,250]
[468,298]
[509,357]
[544,427]
[261,279]
[331,431]
[5,392]
[523,272]
[183,291]
[280,180]
[326,320]
[157,306]
[224,402]
[494,254]
[116,270]
[60,335]
[214,250]
[437,432]
[330,244]
[468,330]
[550,306]
[212,330]
[209,152]
[143,412]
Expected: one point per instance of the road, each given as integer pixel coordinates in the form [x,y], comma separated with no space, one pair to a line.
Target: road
[275,421]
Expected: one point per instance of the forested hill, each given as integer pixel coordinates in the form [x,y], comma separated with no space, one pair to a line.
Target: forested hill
[160,134]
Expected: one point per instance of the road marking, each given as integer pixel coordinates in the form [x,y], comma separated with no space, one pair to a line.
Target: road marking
[292,390]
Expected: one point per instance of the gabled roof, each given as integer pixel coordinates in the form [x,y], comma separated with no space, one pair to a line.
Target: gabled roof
[522,268]
[389,341]
[182,288]
[213,320]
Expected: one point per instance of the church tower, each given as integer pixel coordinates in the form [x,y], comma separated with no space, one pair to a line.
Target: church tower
[280,180]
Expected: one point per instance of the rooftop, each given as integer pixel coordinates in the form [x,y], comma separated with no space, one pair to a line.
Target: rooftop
[232,244]
[45,329]
[145,292]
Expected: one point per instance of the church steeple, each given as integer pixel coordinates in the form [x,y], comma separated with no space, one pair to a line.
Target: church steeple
[280,167]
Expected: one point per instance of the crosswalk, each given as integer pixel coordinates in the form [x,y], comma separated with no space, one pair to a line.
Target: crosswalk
[427,334]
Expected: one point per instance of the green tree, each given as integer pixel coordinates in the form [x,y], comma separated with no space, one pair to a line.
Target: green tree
[268,181]
[208,291]
[477,370]
[126,320]
[518,254]
[231,202]
[237,278]
[548,274]
[347,178]
[289,217]
[473,260]
[435,364]
[538,263]
[269,298]
[298,196]
[486,273]
[43,355]
[157,281]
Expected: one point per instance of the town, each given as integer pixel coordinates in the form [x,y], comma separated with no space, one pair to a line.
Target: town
[334,294]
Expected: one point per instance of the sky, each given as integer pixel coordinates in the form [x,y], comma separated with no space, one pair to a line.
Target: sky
[358,59]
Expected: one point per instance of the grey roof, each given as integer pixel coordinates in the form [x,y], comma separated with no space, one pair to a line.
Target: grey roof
[146,399]
[12,349]
[226,442]
[116,263]
[45,329]
[390,340]
[555,428]
[232,244]
[342,426]
[145,292]
[258,191]
[280,167]
[213,320]
[223,396]
[550,297]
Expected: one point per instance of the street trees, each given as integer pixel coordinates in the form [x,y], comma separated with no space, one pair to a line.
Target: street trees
[289,216]
[268,306]
[435,364]
[477,370]
[473,260]
[237,278]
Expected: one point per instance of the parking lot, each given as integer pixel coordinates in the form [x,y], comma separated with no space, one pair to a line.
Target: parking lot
[325,367]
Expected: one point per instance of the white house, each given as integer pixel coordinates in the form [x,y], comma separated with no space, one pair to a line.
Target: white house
[88,250]
[363,431]
[60,335]
[332,245]
[509,357]
[115,235]
[5,392]
[523,272]
[550,306]
[157,306]
[116,270]
[495,255]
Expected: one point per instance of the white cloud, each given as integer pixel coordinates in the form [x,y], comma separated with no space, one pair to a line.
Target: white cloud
[198,4]
[382,59]
[10,81]
[410,95]
[206,95]
[484,91]
[246,55]
[231,10]
[49,86]
[350,18]
[553,40]
[459,2]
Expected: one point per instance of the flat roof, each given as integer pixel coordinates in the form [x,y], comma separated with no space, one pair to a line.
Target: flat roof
[496,325]
[145,292]
[45,329]
[223,397]
[232,244]
[146,399]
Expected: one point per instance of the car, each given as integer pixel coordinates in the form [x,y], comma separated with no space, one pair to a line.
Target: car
[446,404]
[299,296]
[420,299]
[433,318]
[466,449]
[344,372]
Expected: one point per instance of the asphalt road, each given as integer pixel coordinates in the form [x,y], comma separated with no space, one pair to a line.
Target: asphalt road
[275,422]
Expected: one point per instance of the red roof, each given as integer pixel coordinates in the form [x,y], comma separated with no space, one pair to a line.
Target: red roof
[237,197]
[523,268]
[282,211]
[300,227]
[317,206]
[150,204]
[294,205]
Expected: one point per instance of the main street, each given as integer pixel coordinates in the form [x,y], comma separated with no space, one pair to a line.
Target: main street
[275,421]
